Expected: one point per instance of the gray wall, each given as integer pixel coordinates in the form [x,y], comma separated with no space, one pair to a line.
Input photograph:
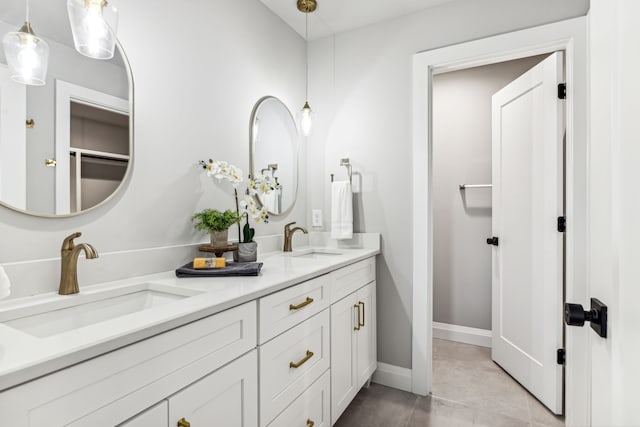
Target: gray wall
[360,88]
[197,71]
[462,219]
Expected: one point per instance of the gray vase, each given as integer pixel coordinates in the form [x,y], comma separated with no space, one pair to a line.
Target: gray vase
[219,238]
[247,252]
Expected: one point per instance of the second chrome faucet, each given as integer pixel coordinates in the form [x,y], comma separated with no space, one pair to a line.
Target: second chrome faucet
[288,235]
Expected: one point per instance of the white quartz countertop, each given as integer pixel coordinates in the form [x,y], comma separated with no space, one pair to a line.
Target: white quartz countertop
[24,357]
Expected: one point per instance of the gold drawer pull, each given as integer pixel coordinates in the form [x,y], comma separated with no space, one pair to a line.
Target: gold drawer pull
[183,423]
[357,307]
[306,302]
[301,362]
[363,311]
[310,423]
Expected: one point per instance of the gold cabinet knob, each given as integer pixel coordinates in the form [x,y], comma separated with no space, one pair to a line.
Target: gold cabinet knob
[310,423]
[183,423]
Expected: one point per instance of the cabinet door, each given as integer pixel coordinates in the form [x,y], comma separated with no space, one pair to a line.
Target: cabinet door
[158,416]
[311,408]
[227,397]
[366,336]
[344,357]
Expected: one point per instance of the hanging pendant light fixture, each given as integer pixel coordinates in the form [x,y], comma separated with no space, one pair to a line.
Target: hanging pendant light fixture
[94,24]
[306,7]
[27,55]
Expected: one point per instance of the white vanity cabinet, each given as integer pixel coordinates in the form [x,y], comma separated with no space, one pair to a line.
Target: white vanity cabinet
[295,357]
[306,336]
[115,387]
[353,336]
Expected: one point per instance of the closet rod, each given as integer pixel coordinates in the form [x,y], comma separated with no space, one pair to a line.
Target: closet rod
[100,157]
[465,186]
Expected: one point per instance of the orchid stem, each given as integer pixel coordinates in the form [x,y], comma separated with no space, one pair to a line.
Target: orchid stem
[235,192]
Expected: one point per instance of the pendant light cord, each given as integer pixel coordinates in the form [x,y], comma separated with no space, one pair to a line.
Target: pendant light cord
[306,67]
[27,11]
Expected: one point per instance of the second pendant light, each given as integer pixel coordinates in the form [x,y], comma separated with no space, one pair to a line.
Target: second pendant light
[94,24]
[306,7]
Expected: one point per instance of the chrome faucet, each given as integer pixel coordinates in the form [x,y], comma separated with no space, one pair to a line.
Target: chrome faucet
[69,256]
[288,235]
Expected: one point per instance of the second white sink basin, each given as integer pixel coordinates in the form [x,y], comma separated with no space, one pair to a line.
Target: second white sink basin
[315,253]
[59,314]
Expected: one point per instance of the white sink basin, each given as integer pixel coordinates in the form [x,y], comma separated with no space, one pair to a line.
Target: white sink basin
[315,253]
[58,314]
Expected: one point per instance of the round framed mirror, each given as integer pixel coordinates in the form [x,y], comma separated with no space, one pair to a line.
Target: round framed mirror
[65,147]
[274,153]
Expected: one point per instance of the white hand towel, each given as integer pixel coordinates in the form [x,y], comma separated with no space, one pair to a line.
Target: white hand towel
[341,210]
[5,284]
[270,201]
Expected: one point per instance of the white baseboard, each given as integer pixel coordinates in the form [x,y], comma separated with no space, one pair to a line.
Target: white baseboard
[393,376]
[463,334]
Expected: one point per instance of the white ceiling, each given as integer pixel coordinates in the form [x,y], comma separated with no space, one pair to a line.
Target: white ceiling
[336,16]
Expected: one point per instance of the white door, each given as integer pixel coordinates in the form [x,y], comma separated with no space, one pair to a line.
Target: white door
[227,397]
[13,141]
[527,200]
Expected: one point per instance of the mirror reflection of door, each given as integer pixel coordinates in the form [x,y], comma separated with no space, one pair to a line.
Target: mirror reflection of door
[92,146]
[98,154]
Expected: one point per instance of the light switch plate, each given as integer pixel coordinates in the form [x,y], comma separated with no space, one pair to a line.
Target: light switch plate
[316,218]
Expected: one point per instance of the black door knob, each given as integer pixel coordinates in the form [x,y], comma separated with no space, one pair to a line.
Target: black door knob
[492,241]
[575,315]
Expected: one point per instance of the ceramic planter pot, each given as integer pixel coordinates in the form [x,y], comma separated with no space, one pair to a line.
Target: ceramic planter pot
[219,238]
[247,252]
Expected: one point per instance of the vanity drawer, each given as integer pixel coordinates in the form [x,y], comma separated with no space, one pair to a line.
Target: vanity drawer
[351,278]
[290,363]
[313,405]
[287,308]
[109,389]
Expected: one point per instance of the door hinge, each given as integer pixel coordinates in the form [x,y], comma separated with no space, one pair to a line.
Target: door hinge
[562,91]
[562,224]
[561,357]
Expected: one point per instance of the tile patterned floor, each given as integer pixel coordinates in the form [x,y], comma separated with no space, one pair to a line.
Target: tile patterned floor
[468,390]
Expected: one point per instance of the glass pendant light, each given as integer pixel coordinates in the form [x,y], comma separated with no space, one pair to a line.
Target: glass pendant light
[27,55]
[306,7]
[94,24]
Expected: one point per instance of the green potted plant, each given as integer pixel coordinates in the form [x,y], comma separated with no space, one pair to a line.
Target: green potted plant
[216,223]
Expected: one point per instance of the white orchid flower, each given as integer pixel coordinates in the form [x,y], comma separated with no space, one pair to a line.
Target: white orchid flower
[261,215]
[265,187]
[252,186]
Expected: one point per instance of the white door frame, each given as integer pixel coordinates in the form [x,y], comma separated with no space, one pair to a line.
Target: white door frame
[570,36]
